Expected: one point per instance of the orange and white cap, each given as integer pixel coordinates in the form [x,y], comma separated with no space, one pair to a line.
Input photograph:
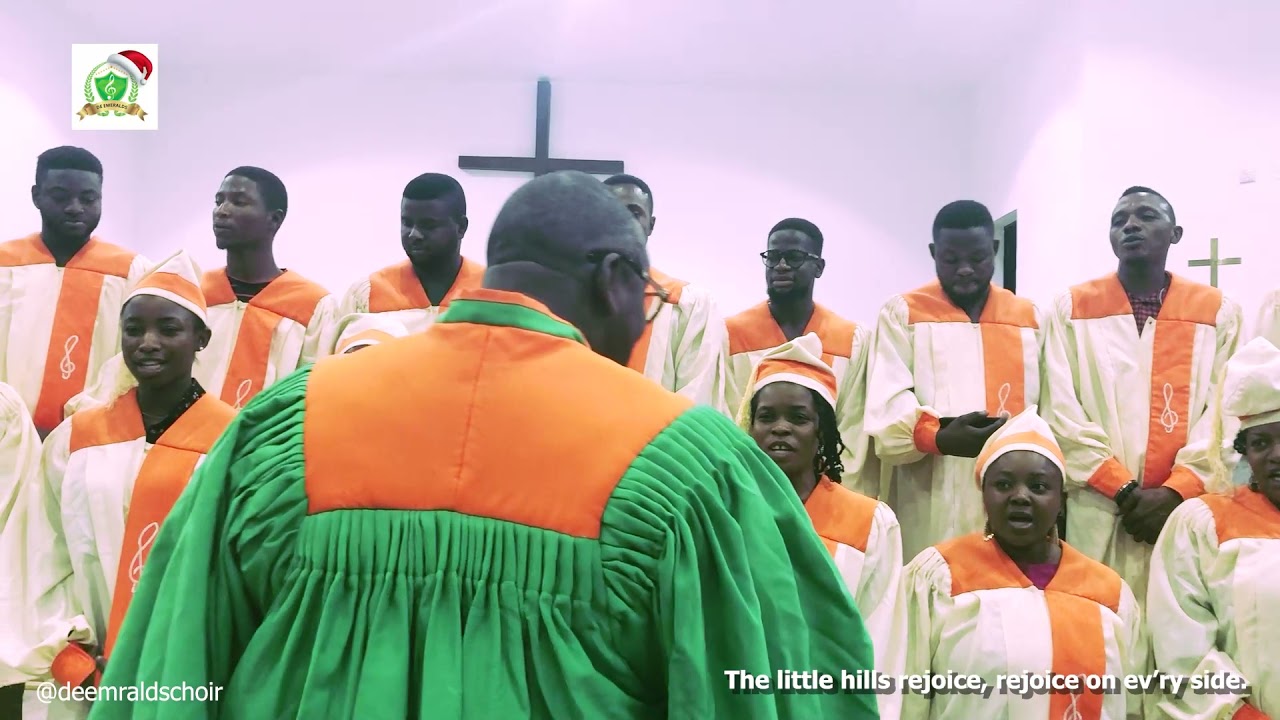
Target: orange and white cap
[371,330]
[1251,384]
[177,280]
[797,361]
[1024,431]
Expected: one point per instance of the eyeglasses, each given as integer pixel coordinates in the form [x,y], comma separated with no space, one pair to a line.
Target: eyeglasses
[793,258]
[654,290]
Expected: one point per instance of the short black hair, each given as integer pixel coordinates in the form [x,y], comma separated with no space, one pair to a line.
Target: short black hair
[270,187]
[830,444]
[1173,217]
[67,157]
[962,215]
[624,179]
[438,186]
[802,226]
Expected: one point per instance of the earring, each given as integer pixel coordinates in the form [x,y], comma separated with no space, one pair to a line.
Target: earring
[1253,485]
[987,535]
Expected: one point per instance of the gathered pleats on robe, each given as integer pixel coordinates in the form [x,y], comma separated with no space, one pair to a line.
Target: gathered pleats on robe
[76,520]
[682,349]
[396,291]
[865,542]
[59,325]
[500,567]
[19,471]
[930,361]
[1214,589]
[1128,407]
[971,611]
[754,332]
[1267,324]
[289,324]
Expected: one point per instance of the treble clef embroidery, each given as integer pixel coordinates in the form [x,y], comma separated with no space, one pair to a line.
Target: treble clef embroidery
[1072,713]
[1168,418]
[68,366]
[242,393]
[1003,397]
[145,539]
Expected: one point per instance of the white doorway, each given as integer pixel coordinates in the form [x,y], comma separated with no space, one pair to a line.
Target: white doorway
[1007,256]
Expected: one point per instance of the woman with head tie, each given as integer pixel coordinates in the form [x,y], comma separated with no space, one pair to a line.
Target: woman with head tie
[1215,574]
[1015,601]
[790,414]
[111,474]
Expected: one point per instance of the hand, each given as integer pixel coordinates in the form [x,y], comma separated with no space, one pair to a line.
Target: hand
[1147,511]
[965,436]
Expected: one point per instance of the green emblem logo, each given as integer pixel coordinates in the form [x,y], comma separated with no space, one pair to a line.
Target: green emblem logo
[104,94]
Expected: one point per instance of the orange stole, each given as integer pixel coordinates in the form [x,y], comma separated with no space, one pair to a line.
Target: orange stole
[1187,305]
[288,296]
[161,479]
[1002,321]
[66,365]
[840,516]
[398,288]
[755,329]
[1073,598]
[674,287]
[528,399]
[1244,514]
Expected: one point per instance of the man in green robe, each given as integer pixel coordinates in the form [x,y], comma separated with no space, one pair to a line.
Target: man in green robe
[494,519]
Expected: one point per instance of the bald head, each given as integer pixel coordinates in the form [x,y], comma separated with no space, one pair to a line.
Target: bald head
[564,240]
[556,219]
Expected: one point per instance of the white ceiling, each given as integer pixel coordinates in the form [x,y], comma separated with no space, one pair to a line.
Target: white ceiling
[930,42]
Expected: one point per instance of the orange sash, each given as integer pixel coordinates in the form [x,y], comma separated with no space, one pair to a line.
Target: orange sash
[66,366]
[640,354]
[288,296]
[161,480]
[1073,598]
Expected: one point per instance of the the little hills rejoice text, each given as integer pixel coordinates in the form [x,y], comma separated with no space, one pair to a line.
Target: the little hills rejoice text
[872,682]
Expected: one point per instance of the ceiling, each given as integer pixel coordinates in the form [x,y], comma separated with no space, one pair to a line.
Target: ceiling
[753,42]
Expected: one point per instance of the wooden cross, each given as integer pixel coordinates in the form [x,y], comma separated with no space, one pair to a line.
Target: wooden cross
[1213,261]
[541,163]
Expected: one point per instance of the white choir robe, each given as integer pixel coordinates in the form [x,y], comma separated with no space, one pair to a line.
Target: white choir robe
[78,518]
[287,325]
[397,292]
[930,361]
[59,325]
[971,611]
[1268,323]
[754,332]
[1214,590]
[865,543]
[683,348]
[19,469]
[1127,407]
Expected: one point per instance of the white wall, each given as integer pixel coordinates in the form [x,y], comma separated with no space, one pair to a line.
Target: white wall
[35,103]
[1027,154]
[725,165]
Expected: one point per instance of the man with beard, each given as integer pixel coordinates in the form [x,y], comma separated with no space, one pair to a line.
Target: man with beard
[61,289]
[682,348]
[413,292]
[951,361]
[1131,360]
[793,262]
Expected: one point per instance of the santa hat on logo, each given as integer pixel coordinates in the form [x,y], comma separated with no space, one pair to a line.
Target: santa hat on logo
[134,63]
[178,281]
[798,361]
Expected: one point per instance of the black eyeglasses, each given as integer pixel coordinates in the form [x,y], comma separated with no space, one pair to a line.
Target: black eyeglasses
[793,258]
[652,307]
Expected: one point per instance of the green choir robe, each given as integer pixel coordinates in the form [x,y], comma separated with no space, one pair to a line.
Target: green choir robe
[487,520]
